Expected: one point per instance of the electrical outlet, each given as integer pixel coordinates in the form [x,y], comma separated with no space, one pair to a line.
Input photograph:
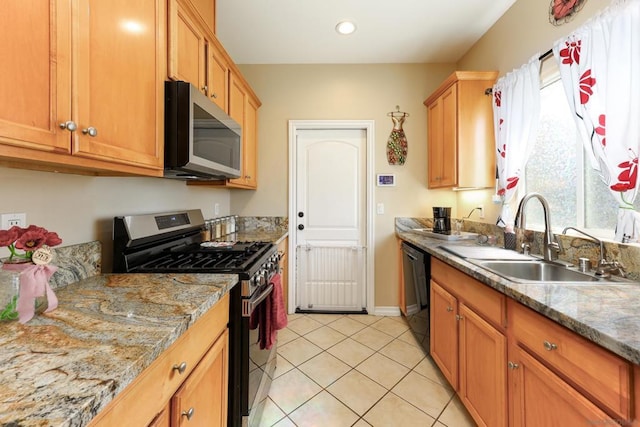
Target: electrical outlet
[11,219]
[481,209]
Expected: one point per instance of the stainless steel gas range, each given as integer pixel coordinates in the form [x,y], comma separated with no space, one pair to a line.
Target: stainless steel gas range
[170,242]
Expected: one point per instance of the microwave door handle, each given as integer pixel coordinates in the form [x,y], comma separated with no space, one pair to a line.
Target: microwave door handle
[248,306]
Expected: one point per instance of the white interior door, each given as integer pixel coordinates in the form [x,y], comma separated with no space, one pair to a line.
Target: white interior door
[330,220]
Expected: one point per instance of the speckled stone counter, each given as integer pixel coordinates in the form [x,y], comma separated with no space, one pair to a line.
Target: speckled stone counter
[259,229]
[606,314]
[63,367]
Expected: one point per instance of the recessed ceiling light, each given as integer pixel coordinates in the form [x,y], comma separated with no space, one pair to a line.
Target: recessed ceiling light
[345,27]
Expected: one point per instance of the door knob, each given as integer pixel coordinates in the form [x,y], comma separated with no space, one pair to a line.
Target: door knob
[70,126]
[91,131]
[301,227]
[188,414]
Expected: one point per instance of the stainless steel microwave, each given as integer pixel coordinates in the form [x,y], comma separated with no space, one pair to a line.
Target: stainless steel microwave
[201,140]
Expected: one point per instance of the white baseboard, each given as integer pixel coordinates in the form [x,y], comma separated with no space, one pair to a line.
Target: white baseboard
[386,311]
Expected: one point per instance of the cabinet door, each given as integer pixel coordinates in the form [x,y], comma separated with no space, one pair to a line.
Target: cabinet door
[538,397]
[201,401]
[186,50]
[163,419]
[444,332]
[449,171]
[35,75]
[217,76]
[243,108]
[119,94]
[483,366]
[251,144]
[434,143]
[442,139]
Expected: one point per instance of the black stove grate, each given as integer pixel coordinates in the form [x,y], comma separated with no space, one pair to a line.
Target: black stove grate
[197,259]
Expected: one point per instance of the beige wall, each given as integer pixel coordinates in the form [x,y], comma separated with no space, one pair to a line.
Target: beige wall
[81,208]
[522,32]
[357,92]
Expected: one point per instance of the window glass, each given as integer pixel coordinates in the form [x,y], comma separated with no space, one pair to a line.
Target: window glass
[559,170]
[553,164]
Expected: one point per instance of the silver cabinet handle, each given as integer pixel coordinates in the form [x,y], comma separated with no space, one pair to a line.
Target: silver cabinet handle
[180,368]
[70,126]
[91,131]
[189,413]
[449,309]
[512,365]
[550,346]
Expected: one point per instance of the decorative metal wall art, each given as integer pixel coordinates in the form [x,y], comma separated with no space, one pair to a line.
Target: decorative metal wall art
[397,142]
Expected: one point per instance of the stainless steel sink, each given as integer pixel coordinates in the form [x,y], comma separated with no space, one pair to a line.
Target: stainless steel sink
[537,271]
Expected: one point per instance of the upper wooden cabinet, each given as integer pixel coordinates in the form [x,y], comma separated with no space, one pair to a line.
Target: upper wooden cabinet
[460,132]
[243,108]
[87,101]
[195,55]
[207,11]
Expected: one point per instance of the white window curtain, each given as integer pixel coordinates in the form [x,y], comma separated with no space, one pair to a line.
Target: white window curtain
[516,112]
[599,65]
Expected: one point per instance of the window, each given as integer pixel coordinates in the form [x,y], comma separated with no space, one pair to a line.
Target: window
[559,170]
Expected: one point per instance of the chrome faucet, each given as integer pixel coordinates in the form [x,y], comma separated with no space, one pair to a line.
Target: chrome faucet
[604,268]
[551,247]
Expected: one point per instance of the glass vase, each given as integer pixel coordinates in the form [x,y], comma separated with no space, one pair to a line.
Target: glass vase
[9,290]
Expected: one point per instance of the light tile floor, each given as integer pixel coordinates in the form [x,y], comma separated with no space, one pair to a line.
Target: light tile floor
[357,370]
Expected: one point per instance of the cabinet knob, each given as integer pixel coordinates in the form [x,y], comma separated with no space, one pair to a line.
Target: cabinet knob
[247,177]
[449,309]
[512,365]
[180,368]
[550,346]
[70,126]
[91,131]
[214,95]
[189,413]
[459,317]
[205,88]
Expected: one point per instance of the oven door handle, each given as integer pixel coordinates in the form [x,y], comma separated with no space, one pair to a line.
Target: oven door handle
[249,305]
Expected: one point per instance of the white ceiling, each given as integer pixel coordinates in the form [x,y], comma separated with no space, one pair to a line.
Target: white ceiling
[388,31]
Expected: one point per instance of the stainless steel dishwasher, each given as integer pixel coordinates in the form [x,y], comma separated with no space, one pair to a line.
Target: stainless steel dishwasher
[416,267]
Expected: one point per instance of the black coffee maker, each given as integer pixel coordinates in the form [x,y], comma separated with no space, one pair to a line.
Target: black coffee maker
[442,220]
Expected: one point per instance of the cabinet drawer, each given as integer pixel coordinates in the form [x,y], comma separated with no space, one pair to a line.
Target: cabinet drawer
[595,371]
[485,301]
[151,390]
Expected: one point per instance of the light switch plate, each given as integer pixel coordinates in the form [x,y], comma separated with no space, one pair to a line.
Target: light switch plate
[380,208]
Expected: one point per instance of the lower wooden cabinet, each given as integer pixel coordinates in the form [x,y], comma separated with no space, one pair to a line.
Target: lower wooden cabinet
[601,376]
[530,371]
[538,397]
[163,419]
[191,373]
[202,398]
[444,332]
[466,345]
[483,379]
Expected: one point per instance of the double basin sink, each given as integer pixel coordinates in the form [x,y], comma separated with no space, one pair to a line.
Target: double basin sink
[526,269]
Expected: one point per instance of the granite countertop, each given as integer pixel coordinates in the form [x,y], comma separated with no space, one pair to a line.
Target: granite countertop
[63,367]
[606,314]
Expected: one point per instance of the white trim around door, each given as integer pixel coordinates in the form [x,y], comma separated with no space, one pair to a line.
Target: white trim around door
[368,126]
